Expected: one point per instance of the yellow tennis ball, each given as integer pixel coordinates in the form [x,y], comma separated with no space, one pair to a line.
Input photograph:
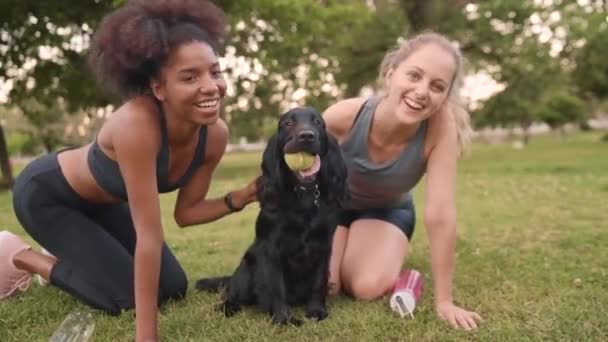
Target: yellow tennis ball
[299,161]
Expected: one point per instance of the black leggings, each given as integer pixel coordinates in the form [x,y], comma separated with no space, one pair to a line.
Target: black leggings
[94,243]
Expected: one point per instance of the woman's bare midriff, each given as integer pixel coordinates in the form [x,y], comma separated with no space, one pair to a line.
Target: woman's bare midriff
[74,166]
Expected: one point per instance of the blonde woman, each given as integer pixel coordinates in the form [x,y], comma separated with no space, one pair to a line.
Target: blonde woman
[389,142]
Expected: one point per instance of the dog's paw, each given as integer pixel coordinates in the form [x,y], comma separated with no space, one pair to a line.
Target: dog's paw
[229,309]
[317,313]
[295,322]
[283,319]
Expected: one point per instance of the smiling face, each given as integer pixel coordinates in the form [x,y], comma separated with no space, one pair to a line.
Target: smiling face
[419,85]
[191,84]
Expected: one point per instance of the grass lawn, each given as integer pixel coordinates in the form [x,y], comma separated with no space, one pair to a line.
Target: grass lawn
[532,259]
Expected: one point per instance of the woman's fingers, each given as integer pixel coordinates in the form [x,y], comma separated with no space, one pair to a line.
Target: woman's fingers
[451,318]
[465,321]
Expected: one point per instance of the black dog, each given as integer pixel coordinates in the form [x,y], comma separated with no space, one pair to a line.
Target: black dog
[288,262]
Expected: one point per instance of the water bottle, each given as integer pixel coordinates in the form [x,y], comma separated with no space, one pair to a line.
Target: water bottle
[406,293]
[77,326]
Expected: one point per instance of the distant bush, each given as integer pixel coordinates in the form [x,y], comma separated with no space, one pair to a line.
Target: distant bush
[20,143]
[562,108]
[584,125]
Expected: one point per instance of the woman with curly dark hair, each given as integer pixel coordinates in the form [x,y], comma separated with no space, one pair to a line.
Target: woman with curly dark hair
[96,208]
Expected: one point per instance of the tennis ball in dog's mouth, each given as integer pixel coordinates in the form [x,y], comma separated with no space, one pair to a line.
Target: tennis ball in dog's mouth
[299,161]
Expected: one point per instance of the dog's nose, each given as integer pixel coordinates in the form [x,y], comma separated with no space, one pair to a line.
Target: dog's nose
[306,135]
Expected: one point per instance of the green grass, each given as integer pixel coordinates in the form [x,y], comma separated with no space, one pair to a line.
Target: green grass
[531,259]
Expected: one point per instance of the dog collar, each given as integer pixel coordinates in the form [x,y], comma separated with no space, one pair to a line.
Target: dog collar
[313,189]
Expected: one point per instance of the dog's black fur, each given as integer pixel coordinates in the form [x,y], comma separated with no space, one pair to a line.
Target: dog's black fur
[288,262]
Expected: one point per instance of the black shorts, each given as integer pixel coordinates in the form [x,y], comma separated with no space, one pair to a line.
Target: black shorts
[403,217]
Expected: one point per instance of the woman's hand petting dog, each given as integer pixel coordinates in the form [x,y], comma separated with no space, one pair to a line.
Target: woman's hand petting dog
[288,262]
[247,194]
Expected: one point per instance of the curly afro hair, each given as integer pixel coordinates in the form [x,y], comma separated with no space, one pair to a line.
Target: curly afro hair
[132,43]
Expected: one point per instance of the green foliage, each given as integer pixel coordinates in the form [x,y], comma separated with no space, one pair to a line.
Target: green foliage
[516,42]
[561,109]
[503,110]
[359,48]
[48,39]
[591,67]
[290,46]
[517,104]
[303,47]
[21,143]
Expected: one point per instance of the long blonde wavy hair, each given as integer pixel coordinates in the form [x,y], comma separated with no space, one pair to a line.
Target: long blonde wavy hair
[401,52]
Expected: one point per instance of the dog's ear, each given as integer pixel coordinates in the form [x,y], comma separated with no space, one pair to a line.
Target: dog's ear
[271,172]
[334,173]
[269,160]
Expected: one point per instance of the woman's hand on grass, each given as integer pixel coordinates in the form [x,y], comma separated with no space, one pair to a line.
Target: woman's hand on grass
[457,316]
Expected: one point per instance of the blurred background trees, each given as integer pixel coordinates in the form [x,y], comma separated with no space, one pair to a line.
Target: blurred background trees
[546,59]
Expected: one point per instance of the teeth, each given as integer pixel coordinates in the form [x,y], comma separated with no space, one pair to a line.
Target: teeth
[413,104]
[207,103]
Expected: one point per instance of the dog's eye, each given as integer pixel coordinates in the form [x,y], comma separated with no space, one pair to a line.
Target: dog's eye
[317,122]
[288,123]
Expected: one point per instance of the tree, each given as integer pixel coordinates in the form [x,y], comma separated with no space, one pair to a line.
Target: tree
[311,52]
[562,108]
[5,166]
[304,53]
[591,73]
[44,44]
[529,48]
[288,47]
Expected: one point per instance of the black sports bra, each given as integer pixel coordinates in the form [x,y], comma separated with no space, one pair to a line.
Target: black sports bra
[106,171]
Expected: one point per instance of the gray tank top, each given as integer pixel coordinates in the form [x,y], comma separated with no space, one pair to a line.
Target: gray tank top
[384,185]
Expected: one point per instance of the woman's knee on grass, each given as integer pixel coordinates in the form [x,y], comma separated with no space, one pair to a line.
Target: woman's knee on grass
[370,286]
[173,285]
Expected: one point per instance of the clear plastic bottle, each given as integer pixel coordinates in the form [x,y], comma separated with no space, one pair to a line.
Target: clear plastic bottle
[77,326]
[406,293]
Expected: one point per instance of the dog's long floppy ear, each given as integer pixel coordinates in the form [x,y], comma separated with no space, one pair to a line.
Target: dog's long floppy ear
[271,172]
[334,173]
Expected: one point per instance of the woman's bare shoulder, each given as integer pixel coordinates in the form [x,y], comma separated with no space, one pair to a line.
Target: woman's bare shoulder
[137,118]
[339,117]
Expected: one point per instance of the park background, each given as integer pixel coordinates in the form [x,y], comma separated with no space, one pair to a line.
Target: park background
[532,194]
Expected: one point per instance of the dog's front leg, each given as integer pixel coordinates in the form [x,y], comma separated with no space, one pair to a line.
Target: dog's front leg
[273,294]
[315,307]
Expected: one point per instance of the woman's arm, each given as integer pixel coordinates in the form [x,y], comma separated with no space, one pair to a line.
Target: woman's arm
[136,151]
[192,206]
[440,218]
[340,116]
[440,208]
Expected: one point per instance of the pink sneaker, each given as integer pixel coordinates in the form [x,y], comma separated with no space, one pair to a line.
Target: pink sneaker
[12,279]
[406,292]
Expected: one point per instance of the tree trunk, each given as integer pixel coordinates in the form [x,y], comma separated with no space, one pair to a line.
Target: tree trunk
[47,141]
[419,13]
[562,132]
[526,129]
[5,164]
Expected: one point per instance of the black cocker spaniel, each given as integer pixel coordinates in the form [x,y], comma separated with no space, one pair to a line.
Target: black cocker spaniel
[288,262]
